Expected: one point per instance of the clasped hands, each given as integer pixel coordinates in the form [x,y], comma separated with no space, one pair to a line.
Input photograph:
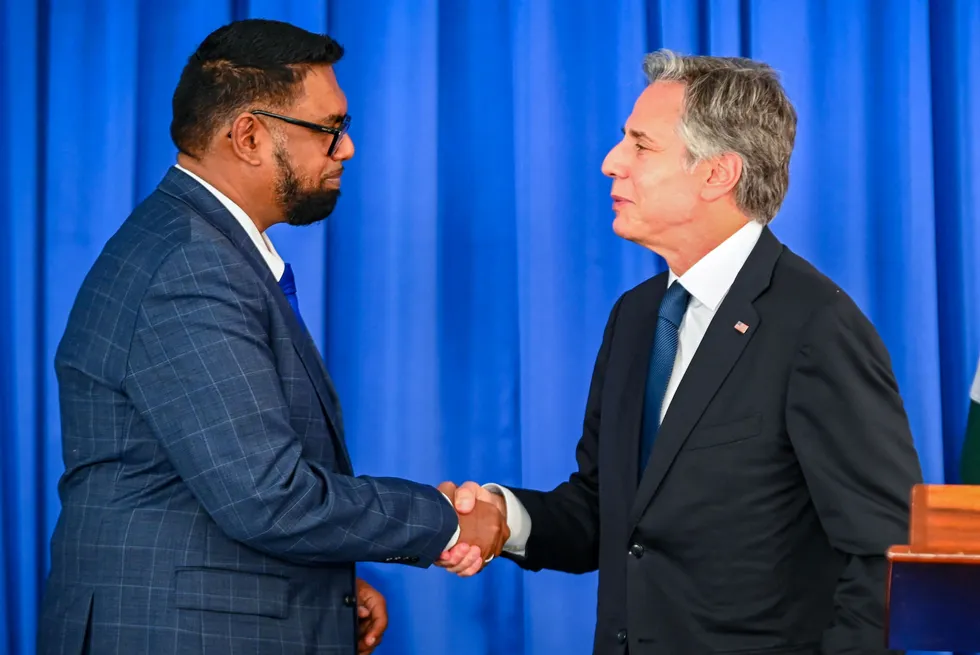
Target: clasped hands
[483,528]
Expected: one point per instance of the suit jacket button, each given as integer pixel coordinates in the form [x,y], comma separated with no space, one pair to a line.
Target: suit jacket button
[636,550]
[621,636]
[350,601]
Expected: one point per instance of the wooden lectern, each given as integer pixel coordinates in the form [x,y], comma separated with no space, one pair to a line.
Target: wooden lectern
[933,598]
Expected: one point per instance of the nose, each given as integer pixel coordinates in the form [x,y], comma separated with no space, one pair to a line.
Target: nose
[345,149]
[613,165]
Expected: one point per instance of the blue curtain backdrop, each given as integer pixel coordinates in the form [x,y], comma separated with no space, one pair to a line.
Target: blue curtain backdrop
[460,290]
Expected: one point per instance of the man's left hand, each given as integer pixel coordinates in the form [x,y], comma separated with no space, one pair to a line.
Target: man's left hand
[372,617]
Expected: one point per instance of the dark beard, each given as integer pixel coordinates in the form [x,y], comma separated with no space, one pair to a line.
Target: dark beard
[301,207]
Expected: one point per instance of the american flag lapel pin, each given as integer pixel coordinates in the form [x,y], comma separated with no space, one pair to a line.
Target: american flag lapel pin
[741,327]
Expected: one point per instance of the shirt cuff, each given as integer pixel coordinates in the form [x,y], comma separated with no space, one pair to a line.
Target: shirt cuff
[518,520]
[455,537]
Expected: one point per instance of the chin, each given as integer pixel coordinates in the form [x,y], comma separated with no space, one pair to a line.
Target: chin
[622,228]
[638,233]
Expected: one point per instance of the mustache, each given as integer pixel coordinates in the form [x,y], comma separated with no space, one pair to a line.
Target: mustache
[333,174]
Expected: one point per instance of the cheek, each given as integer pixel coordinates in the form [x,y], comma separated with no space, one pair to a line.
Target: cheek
[309,161]
[652,190]
[662,192]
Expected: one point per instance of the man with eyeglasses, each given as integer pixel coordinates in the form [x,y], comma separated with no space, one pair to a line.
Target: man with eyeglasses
[208,501]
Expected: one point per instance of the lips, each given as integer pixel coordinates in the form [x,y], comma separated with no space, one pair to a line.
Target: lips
[619,202]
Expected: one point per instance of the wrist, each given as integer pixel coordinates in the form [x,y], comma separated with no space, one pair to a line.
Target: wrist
[499,502]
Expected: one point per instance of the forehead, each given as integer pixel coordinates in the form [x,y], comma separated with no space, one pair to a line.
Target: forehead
[322,93]
[658,109]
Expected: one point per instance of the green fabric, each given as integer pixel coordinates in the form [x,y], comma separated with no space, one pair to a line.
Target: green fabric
[970,460]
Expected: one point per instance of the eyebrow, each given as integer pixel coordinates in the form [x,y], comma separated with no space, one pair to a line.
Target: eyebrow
[333,119]
[639,136]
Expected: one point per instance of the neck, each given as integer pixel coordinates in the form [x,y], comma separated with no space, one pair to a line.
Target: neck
[231,186]
[697,238]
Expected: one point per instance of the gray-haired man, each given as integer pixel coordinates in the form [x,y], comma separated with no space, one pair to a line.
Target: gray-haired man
[745,460]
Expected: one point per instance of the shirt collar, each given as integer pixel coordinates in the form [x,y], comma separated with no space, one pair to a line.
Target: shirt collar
[260,239]
[709,280]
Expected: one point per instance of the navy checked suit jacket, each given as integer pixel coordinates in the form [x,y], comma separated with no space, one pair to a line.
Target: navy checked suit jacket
[208,502]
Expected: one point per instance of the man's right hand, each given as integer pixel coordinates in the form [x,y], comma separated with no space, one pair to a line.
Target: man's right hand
[483,528]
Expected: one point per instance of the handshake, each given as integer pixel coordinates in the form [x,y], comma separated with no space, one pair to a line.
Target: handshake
[483,528]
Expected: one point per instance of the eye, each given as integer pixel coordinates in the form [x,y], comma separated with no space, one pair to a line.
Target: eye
[638,147]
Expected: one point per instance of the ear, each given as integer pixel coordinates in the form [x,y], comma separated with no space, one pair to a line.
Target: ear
[725,172]
[246,136]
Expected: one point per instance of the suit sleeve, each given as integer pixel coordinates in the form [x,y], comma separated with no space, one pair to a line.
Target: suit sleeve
[202,374]
[848,426]
[564,533]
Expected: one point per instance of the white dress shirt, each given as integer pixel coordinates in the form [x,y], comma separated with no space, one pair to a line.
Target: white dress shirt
[269,254]
[708,282]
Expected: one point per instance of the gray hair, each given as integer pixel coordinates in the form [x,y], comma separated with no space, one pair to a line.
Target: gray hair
[734,105]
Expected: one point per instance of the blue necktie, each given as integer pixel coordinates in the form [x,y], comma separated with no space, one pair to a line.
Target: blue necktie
[288,285]
[672,309]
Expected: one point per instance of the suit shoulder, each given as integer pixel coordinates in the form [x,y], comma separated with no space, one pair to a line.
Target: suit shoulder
[803,295]
[801,287]
[796,271]
[159,226]
[103,314]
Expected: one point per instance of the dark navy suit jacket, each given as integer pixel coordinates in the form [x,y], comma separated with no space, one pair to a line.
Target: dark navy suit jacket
[780,475]
[208,501]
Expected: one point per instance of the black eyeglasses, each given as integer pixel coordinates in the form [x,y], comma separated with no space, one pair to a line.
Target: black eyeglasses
[337,132]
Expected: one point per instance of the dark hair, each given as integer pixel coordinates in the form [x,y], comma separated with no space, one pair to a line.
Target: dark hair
[244,63]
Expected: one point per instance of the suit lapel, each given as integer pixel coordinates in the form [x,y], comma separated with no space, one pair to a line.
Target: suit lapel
[312,362]
[202,201]
[716,355]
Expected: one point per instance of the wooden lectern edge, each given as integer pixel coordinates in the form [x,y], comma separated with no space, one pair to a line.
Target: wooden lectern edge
[903,554]
[944,525]
[934,578]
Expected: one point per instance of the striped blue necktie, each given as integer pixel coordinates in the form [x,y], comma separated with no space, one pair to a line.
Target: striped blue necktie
[672,309]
